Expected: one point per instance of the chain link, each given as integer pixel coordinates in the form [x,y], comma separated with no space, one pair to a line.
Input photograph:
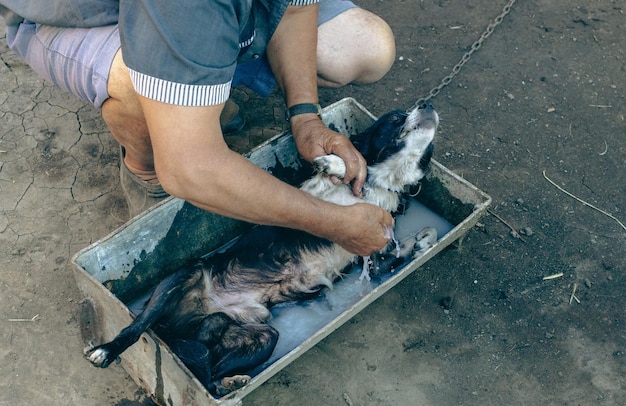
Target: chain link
[466,57]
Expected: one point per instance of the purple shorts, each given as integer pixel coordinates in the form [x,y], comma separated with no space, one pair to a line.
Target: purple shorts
[79,59]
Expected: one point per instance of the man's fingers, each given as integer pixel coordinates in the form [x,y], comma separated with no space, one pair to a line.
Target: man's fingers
[359,181]
[314,139]
[356,169]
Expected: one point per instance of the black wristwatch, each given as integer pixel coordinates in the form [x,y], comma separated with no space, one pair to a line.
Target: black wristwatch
[304,108]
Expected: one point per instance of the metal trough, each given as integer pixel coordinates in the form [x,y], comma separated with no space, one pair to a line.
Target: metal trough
[116,270]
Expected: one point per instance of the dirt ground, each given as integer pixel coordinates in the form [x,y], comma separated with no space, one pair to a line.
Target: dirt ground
[477,324]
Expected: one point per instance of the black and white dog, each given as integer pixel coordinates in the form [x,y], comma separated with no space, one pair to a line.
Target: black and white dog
[212,314]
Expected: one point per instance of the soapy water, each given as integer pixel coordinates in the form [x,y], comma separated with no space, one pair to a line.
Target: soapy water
[297,321]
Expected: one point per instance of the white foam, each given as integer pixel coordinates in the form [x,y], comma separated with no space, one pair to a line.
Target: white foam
[365,270]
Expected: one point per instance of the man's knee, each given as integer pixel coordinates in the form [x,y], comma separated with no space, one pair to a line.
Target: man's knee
[356,46]
[382,50]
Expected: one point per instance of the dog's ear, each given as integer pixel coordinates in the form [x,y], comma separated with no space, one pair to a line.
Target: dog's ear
[360,142]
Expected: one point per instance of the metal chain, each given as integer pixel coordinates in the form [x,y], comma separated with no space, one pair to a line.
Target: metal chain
[466,57]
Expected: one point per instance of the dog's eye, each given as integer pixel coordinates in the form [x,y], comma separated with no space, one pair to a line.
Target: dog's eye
[394,117]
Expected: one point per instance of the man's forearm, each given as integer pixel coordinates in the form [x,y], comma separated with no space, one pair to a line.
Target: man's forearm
[292,53]
[193,162]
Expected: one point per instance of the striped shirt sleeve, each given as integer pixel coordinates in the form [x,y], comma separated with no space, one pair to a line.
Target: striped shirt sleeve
[179,93]
[302,2]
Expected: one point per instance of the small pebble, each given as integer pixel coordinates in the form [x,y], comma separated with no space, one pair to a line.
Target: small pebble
[526,231]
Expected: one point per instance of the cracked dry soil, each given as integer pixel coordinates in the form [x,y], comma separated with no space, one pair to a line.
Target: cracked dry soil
[477,324]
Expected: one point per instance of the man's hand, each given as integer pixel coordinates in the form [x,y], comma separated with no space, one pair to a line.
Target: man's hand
[314,139]
[364,229]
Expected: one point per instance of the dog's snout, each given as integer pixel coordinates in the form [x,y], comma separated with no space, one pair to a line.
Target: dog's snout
[426,106]
[424,117]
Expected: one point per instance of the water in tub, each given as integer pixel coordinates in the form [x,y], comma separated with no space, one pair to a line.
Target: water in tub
[298,321]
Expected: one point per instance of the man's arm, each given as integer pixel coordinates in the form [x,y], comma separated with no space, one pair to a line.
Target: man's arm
[194,163]
[292,53]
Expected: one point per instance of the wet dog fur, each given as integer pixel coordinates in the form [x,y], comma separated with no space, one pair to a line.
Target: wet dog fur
[212,313]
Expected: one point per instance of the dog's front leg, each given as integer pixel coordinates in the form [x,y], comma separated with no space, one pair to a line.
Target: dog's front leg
[395,255]
[425,239]
[331,165]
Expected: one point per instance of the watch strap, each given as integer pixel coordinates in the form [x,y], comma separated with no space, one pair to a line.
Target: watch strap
[303,108]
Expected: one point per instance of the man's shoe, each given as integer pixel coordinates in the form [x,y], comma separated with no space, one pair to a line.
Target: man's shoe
[231,119]
[140,195]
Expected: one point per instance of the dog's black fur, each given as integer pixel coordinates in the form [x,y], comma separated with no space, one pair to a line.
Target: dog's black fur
[212,313]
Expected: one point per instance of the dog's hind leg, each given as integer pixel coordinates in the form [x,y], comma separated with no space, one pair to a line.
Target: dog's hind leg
[228,384]
[215,353]
[196,356]
[241,348]
[166,294]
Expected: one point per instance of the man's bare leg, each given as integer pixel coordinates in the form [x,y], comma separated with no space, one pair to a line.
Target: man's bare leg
[124,117]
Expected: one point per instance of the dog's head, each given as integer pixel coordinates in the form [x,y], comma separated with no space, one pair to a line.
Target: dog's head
[398,147]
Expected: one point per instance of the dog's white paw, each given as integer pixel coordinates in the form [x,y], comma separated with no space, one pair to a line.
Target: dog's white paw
[97,357]
[235,382]
[425,239]
[229,384]
[331,165]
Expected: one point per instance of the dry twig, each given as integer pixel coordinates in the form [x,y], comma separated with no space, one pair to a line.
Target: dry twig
[606,149]
[514,232]
[34,318]
[584,202]
[573,295]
